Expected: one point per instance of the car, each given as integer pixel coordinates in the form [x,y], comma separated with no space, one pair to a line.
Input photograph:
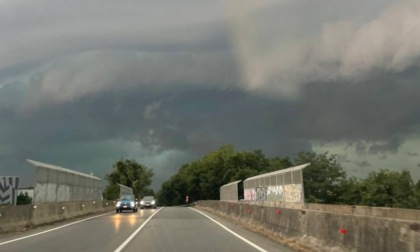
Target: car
[126,202]
[148,202]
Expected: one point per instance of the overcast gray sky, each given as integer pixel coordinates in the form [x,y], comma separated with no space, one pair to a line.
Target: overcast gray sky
[84,83]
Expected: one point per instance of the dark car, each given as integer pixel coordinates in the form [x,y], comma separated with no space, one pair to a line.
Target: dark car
[126,202]
[148,202]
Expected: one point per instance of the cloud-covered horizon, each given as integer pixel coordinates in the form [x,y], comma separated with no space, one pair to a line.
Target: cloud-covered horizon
[83,84]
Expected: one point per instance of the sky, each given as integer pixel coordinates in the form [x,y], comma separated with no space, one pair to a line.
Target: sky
[85,83]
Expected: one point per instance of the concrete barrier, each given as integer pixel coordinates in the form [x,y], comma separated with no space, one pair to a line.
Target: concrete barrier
[17,218]
[330,228]
[14,217]
[381,212]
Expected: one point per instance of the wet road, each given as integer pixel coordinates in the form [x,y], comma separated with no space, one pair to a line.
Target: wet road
[162,229]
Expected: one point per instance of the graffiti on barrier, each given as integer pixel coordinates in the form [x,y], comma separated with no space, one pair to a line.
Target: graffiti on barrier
[287,193]
[249,194]
[261,193]
[293,193]
[275,193]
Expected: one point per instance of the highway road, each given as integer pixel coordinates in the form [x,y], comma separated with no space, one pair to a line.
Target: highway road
[163,229]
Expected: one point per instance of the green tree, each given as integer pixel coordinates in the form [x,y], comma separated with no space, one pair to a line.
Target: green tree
[223,166]
[388,189]
[417,192]
[129,173]
[278,163]
[111,192]
[242,165]
[323,178]
[173,192]
[350,192]
[201,179]
[23,199]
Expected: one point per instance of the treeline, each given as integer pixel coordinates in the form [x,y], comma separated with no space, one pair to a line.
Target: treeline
[129,173]
[325,181]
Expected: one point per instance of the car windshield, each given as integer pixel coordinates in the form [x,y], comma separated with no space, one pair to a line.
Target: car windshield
[127,197]
[148,198]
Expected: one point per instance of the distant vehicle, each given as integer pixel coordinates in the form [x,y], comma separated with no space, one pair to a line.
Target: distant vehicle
[126,202]
[148,202]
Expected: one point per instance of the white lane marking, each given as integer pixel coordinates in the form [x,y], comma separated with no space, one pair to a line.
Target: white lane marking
[230,231]
[122,246]
[53,229]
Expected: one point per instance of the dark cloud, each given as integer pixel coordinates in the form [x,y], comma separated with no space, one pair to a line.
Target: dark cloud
[412,154]
[197,120]
[95,130]
[390,146]
[169,86]
[194,120]
[343,159]
[362,164]
[44,30]
[318,45]
[375,110]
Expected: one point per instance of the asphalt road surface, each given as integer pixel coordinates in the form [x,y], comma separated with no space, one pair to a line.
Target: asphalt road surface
[164,229]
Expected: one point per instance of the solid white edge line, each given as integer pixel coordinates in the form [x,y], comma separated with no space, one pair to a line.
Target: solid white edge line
[230,231]
[53,229]
[122,246]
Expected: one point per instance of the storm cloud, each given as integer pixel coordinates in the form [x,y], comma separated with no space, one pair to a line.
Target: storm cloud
[83,84]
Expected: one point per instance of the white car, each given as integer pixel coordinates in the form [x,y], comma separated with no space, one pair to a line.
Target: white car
[148,202]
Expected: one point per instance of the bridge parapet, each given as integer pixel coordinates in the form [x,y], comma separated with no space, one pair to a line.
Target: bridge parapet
[329,227]
[17,218]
